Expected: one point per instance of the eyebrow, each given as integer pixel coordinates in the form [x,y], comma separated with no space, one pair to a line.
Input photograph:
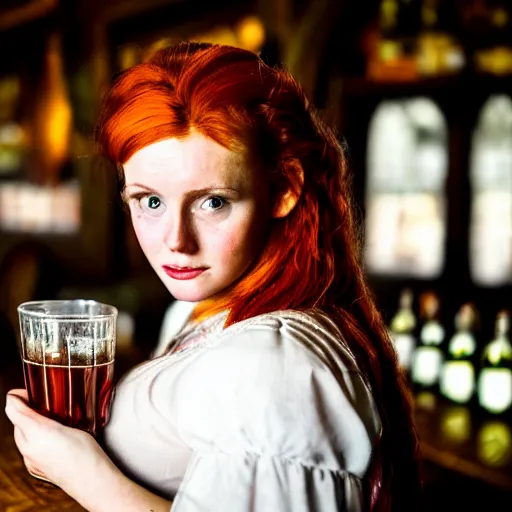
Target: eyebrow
[128,185]
[127,196]
[198,192]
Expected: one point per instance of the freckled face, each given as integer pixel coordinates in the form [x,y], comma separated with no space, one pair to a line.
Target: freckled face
[200,213]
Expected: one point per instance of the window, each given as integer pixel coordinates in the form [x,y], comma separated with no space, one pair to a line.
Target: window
[405,198]
[491,184]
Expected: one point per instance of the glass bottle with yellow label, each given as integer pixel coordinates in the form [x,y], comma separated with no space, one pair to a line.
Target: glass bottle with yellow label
[495,377]
[402,329]
[457,378]
[428,357]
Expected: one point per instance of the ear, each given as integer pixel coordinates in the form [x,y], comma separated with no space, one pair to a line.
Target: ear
[285,202]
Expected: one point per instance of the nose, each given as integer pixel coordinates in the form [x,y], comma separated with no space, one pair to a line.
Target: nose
[179,235]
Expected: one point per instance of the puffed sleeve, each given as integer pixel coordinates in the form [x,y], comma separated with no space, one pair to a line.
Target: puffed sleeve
[271,428]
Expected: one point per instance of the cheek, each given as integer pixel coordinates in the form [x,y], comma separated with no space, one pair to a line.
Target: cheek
[238,242]
[146,235]
[222,244]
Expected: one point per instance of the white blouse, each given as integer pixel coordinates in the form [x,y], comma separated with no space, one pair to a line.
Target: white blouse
[270,414]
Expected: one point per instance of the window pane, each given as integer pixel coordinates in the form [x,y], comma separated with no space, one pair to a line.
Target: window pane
[407,167]
[491,182]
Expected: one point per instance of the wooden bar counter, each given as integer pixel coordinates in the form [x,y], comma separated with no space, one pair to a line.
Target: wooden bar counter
[465,440]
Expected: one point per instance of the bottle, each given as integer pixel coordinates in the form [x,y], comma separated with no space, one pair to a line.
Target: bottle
[494,55]
[398,26]
[495,378]
[388,19]
[428,357]
[439,51]
[457,379]
[53,116]
[402,330]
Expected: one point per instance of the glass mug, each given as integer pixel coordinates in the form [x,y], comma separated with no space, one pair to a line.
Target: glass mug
[68,349]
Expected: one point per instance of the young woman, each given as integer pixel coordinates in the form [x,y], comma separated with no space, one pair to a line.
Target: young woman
[280,389]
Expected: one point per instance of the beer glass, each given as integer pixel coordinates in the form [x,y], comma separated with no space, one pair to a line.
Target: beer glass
[67,349]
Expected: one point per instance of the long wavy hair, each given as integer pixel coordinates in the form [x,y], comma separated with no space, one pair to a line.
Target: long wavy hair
[312,256]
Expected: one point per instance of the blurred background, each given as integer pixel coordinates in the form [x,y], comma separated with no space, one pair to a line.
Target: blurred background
[421,91]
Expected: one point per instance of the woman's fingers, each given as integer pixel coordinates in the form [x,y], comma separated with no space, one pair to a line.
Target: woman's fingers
[19,412]
[12,410]
[20,393]
[25,446]
[17,409]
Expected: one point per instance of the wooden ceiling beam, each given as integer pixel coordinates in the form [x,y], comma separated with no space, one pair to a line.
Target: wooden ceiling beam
[31,11]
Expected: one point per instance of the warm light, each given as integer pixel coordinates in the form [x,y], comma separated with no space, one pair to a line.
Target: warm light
[499,17]
[52,118]
[495,389]
[456,424]
[57,126]
[9,96]
[494,444]
[128,57]
[251,33]
[151,49]
[426,365]
[12,142]
[218,35]
[401,328]
[25,207]
[457,380]
[407,168]
[491,183]
[426,400]
[404,345]
[462,344]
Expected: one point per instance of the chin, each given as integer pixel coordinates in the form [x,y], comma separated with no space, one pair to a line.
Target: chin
[188,297]
[186,293]
[195,290]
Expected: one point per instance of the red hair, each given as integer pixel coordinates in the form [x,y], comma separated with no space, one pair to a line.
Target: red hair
[311,259]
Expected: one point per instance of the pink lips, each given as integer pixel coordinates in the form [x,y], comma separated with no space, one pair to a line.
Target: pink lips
[183,273]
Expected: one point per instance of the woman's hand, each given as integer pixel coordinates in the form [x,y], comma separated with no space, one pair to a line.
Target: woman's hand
[52,451]
[73,460]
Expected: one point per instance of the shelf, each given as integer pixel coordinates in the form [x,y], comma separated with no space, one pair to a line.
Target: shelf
[460,439]
[464,83]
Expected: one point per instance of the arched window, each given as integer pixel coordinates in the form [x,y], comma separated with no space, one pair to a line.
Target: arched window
[405,191]
[491,184]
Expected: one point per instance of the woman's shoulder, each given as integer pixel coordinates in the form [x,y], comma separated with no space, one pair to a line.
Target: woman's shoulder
[281,347]
[288,331]
[281,373]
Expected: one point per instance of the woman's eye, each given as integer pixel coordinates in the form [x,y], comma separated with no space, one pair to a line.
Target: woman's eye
[153,202]
[151,205]
[213,203]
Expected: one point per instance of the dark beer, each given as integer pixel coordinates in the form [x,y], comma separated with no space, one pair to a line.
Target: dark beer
[76,396]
